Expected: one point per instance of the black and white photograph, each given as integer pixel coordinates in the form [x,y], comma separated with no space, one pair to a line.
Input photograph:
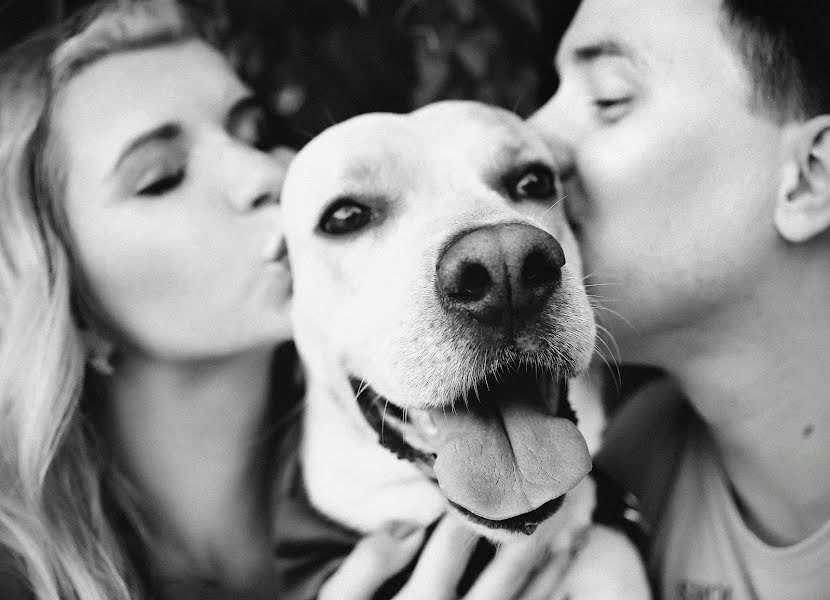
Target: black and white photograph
[414,300]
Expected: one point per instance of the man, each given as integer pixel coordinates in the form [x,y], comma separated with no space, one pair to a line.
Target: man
[695,138]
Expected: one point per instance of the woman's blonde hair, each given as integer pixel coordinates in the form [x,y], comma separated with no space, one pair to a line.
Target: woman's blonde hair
[57,484]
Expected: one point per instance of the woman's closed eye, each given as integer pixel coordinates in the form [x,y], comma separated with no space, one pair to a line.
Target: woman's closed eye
[160,183]
[157,169]
[155,163]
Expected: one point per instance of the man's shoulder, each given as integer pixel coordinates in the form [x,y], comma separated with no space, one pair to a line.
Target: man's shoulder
[13,583]
[644,442]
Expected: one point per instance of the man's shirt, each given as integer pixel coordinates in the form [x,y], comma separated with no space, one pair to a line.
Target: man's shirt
[705,551]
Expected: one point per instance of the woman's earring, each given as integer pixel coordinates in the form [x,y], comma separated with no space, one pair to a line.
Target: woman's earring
[101,363]
[98,352]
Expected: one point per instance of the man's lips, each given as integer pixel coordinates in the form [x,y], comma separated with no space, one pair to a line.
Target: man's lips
[505,460]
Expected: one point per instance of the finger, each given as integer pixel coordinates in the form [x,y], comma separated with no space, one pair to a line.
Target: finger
[608,566]
[442,562]
[508,572]
[547,580]
[375,559]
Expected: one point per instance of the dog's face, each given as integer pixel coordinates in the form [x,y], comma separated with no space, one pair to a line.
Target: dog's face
[437,282]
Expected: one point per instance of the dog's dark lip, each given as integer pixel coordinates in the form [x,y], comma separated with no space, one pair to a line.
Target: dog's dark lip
[383,416]
[525,523]
[377,410]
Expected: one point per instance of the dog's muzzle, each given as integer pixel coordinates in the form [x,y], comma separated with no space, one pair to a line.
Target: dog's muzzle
[504,454]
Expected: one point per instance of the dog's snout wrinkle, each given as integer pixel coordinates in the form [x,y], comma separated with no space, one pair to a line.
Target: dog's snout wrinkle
[500,275]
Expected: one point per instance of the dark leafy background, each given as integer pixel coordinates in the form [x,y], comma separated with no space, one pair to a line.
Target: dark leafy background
[317,62]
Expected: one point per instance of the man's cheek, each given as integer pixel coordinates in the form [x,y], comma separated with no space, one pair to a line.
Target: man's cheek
[607,177]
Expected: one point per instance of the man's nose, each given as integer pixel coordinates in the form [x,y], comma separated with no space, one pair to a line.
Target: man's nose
[557,131]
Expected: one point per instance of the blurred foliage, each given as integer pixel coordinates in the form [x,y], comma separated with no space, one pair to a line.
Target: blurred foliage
[317,62]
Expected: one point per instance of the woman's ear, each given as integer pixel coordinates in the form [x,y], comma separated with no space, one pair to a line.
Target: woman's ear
[802,207]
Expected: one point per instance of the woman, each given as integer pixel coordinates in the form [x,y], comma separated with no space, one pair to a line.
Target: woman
[145,289]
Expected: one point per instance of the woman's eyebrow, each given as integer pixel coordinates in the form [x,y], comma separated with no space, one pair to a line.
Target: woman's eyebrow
[164,133]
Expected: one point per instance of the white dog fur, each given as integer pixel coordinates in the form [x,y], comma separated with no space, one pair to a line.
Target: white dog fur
[365,304]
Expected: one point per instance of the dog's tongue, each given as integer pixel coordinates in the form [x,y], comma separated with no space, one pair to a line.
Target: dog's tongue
[504,463]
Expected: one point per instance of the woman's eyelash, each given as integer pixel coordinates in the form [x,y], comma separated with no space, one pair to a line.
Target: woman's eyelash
[163,184]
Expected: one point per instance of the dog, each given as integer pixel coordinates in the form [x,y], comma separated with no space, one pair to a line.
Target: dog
[440,315]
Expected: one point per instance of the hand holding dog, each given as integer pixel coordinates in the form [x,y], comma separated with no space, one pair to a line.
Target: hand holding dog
[383,554]
[520,571]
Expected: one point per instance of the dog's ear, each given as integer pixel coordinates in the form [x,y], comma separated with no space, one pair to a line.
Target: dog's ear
[802,207]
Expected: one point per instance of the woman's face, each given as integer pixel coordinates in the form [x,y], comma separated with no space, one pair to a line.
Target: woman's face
[172,209]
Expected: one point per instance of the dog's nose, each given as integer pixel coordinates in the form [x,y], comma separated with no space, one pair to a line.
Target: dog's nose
[500,274]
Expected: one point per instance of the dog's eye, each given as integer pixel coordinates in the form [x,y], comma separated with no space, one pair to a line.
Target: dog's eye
[536,183]
[345,216]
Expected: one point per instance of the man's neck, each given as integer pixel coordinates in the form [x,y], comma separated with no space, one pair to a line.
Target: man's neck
[764,390]
[190,435]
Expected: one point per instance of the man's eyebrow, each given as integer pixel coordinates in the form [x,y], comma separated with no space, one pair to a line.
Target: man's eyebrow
[163,133]
[600,49]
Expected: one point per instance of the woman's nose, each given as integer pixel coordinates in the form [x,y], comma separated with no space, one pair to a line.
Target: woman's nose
[256,177]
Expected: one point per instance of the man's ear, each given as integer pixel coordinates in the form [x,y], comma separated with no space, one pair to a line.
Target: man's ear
[802,207]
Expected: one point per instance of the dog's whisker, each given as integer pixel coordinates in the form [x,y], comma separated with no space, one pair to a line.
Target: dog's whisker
[588,276]
[602,330]
[603,351]
[606,338]
[383,418]
[614,373]
[610,361]
[552,206]
[605,283]
[361,388]
[600,297]
[619,316]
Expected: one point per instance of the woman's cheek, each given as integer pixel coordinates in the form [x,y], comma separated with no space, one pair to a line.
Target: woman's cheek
[135,273]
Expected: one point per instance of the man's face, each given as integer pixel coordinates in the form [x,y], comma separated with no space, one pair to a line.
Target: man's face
[670,172]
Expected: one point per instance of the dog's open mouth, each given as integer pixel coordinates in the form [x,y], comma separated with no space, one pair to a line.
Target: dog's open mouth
[504,455]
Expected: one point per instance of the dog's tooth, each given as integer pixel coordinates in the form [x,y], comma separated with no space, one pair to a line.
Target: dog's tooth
[422,420]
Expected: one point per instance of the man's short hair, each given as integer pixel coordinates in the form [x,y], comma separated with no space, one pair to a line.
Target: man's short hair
[785,46]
